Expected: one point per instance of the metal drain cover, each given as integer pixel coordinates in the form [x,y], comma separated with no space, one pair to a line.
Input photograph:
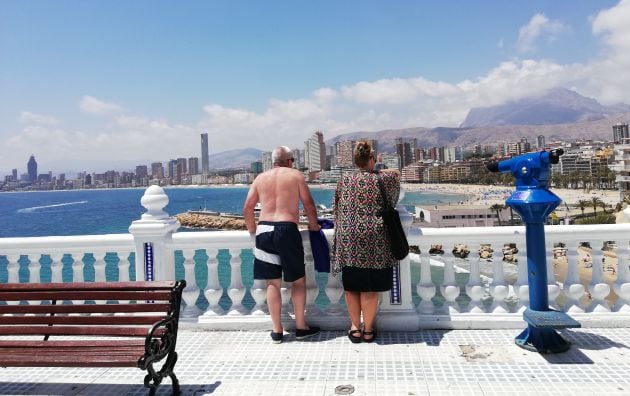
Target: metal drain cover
[344,390]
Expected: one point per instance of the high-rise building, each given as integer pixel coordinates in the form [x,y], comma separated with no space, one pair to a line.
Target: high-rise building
[315,152]
[141,172]
[193,166]
[14,175]
[31,166]
[266,161]
[405,155]
[344,153]
[620,132]
[205,160]
[172,168]
[157,170]
[540,142]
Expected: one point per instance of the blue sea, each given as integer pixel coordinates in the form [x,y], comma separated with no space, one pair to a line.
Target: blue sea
[95,212]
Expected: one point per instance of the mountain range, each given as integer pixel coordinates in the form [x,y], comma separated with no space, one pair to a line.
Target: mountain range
[559,114]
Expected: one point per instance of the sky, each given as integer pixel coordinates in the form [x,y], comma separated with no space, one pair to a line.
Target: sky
[96,85]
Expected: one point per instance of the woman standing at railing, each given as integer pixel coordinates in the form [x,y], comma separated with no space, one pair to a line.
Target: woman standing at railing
[360,248]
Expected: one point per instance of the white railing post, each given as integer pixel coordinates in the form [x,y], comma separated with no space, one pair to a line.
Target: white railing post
[99,266]
[311,284]
[521,286]
[574,290]
[498,287]
[34,270]
[553,288]
[213,291]
[124,266]
[191,292]
[236,290]
[598,287]
[425,287]
[474,288]
[154,261]
[450,289]
[334,291]
[13,268]
[397,311]
[622,284]
[56,267]
[78,267]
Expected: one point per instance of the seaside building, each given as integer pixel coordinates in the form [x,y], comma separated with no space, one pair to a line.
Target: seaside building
[193,166]
[256,167]
[266,161]
[157,170]
[31,166]
[404,153]
[453,154]
[620,132]
[344,153]
[205,159]
[621,166]
[315,153]
[540,142]
[445,216]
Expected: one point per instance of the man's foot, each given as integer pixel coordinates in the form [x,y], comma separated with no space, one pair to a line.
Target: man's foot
[276,338]
[301,334]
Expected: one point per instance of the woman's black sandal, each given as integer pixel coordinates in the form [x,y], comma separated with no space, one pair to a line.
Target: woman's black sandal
[369,333]
[354,338]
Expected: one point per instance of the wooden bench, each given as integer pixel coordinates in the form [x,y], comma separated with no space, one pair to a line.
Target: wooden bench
[100,324]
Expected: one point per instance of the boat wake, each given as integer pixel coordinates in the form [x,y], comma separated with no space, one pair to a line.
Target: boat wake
[36,208]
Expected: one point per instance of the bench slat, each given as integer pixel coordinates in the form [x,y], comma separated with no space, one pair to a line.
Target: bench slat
[60,360]
[155,285]
[82,308]
[79,331]
[84,344]
[85,295]
[81,320]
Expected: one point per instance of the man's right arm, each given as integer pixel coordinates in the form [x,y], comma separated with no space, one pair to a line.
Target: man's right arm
[248,208]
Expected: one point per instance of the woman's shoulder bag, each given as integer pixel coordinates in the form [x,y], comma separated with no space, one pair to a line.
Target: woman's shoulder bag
[391,220]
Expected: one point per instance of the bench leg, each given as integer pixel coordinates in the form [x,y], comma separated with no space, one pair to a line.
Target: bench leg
[153,379]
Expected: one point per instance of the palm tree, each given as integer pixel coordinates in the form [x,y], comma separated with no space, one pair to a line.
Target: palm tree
[582,203]
[595,202]
[497,208]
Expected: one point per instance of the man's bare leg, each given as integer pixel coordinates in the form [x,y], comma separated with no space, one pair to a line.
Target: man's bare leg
[274,303]
[298,298]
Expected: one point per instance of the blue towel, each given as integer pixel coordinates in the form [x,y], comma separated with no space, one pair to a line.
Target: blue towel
[319,246]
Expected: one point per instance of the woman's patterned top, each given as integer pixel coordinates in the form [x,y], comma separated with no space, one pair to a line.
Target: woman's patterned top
[360,237]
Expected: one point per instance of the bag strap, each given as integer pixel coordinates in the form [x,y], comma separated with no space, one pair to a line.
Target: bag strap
[381,187]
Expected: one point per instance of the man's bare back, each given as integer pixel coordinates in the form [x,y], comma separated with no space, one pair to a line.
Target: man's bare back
[279,191]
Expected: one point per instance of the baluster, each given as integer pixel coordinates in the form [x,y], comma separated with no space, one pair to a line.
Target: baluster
[213,291]
[236,291]
[553,288]
[521,286]
[474,288]
[191,291]
[312,290]
[13,268]
[34,270]
[124,266]
[56,267]
[622,284]
[449,288]
[425,288]
[78,268]
[598,287]
[498,288]
[334,291]
[259,294]
[574,290]
[99,266]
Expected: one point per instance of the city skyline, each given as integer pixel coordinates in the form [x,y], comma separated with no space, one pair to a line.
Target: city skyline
[78,91]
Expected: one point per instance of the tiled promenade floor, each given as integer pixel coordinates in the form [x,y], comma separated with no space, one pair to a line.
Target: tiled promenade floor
[459,362]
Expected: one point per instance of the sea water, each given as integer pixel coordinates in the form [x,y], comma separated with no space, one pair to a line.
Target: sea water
[111,211]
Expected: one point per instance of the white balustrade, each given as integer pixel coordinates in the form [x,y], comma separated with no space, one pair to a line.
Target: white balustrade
[157,228]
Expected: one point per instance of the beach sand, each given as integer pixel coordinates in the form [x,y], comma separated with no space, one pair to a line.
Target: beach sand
[490,195]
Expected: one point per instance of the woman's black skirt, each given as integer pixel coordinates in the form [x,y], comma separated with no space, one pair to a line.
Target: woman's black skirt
[366,279]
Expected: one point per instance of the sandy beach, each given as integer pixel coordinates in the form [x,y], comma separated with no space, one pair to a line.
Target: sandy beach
[490,195]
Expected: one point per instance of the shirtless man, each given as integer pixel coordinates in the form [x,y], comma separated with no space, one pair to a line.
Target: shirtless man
[279,248]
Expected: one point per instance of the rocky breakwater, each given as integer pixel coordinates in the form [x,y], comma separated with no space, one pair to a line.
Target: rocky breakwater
[211,221]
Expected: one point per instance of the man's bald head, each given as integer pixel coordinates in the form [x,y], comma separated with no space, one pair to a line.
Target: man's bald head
[281,156]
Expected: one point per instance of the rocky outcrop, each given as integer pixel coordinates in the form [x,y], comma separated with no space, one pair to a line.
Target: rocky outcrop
[211,222]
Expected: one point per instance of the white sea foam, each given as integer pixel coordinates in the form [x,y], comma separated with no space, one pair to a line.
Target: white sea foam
[35,208]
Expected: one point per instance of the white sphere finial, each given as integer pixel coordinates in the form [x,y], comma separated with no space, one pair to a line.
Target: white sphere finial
[154,200]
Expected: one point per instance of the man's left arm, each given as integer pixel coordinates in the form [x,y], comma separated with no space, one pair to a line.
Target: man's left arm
[248,209]
[309,206]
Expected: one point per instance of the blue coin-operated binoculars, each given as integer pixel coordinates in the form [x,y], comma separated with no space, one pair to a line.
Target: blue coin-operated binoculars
[534,202]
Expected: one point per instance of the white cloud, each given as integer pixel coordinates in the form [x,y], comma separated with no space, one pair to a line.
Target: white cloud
[92,105]
[26,117]
[538,27]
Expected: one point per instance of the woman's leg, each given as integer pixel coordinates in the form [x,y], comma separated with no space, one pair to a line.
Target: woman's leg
[369,306]
[353,302]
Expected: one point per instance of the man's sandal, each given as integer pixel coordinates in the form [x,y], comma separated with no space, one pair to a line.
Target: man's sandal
[354,336]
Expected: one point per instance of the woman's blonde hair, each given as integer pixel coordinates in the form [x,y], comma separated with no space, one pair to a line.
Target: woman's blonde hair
[362,153]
